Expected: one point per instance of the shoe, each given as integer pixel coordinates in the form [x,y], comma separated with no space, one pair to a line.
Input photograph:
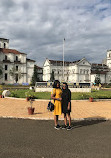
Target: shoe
[64,127]
[57,127]
[69,128]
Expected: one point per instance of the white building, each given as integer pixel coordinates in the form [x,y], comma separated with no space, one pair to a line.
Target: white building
[102,70]
[76,72]
[11,58]
[80,71]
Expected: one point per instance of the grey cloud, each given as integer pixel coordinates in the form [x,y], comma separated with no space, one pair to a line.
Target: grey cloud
[7,4]
[37,27]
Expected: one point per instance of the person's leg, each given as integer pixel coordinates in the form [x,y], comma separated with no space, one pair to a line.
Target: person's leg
[56,119]
[69,118]
[65,119]
[65,122]
[56,122]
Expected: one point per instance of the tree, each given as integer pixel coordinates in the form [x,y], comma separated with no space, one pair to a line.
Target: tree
[35,77]
[16,75]
[52,78]
[97,79]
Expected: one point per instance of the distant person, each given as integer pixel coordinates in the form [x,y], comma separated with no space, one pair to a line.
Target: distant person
[56,96]
[66,106]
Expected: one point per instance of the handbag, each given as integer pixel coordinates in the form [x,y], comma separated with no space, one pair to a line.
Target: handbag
[50,106]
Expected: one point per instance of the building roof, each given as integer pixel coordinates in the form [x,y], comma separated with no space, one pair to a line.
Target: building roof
[38,67]
[4,39]
[6,51]
[76,61]
[99,68]
[30,60]
[60,62]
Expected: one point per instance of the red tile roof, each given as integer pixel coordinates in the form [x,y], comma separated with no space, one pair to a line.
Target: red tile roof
[6,51]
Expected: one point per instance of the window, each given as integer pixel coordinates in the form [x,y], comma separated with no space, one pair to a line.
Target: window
[84,71]
[16,78]
[87,71]
[6,77]
[73,71]
[4,45]
[6,67]
[86,77]
[16,58]
[5,57]
[16,68]
[80,71]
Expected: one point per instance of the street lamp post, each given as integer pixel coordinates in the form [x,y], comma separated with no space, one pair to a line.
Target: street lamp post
[63,57]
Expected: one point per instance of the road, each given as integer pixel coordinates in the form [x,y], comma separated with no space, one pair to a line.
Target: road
[38,139]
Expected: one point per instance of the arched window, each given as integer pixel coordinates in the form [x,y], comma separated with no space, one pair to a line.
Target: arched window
[4,45]
[5,57]
[16,58]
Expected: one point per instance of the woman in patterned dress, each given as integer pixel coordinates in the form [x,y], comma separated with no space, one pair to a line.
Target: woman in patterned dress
[56,96]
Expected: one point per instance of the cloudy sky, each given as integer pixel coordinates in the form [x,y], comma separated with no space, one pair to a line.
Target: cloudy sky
[38,27]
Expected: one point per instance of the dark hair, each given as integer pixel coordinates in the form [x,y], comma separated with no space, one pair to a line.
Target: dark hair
[66,85]
[55,84]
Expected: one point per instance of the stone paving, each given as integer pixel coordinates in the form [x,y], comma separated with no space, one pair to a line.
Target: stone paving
[17,108]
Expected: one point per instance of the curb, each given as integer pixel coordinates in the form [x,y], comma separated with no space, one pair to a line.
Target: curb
[73,119]
[49,99]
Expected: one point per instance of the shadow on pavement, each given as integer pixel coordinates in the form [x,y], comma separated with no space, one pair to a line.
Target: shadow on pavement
[88,121]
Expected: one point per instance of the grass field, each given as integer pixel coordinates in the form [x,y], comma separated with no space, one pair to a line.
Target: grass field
[74,96]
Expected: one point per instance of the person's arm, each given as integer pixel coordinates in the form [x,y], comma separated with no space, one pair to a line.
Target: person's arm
[53,95]
[69,101]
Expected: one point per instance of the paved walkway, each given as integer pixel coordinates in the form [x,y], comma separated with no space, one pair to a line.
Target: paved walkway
[17,108]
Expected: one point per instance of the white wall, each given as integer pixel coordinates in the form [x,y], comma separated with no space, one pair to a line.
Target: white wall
[102,78]
[30,70]
[25,68]
[72,89]
[71,72]
[2,42]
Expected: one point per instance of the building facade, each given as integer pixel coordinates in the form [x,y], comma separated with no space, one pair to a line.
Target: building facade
[80,71]
[11,59]
[103,71]
[76,72]
[39,73]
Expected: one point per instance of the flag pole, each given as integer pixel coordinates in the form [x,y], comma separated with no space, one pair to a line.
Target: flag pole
[63,57]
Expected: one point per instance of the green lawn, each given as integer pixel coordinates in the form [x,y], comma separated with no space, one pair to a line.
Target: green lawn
[75,95]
